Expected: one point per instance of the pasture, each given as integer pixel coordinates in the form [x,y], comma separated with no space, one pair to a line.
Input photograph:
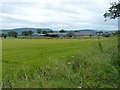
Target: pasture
[60,63]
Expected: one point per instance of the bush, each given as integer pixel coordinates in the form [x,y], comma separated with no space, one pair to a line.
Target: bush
[106,35]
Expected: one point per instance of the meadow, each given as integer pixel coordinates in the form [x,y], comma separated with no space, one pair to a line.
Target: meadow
[60,63]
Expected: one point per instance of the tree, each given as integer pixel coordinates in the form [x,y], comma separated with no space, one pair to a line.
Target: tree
[114,11]
[39,31]
[106,34]
[76,31]
[117,32]
[27,33]
[4,35]
[30,33]
[24,33]
[13,34]
[44,32]
[99,33]
[62,31]
[50,31]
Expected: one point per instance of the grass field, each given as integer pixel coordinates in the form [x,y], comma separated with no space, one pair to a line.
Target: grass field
[66,63]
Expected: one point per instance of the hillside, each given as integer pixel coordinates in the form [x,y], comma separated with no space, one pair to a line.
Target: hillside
[83,31]
[20,30]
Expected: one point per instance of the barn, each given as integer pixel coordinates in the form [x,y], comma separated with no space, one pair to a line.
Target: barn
[60,35]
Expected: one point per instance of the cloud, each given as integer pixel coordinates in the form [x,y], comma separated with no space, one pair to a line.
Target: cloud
[56,14]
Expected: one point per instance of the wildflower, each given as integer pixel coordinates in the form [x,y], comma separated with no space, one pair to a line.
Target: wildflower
[69,62]
[79,87]
[73,56]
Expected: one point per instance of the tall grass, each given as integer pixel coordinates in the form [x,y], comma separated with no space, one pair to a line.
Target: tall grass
[96,67]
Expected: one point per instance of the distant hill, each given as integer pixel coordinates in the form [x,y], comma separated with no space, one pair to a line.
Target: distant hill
[88,30]
[83,31]
[20,30]
[94,31]
[91,32]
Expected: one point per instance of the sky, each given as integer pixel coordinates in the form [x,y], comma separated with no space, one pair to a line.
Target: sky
[56,14]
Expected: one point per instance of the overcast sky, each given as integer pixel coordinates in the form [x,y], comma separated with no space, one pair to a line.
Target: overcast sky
[56,14]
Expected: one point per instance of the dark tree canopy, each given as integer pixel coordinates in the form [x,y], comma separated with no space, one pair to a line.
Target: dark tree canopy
[30,33]
[39,31]
[114,11]
[44,32]
[27,33]
[24,33]
[62,31]
[12,34]
[4,35]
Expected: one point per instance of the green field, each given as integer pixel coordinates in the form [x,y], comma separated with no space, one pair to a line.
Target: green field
[66,63]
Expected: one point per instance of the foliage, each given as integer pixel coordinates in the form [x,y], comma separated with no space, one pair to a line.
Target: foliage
[62,31]
[4,35]
[30,33]
[85,63]
[12,34]
[114,11]
[50,31]
[106,35]
[44,31]
[39,31]
[118,32]
[27,33]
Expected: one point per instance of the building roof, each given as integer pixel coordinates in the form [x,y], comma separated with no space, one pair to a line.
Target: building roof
[56,33]
[36,34]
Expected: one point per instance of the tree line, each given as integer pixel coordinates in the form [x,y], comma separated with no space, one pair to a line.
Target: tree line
[27,33]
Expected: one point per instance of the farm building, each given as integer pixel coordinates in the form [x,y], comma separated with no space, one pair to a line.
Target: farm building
[36,34]
[61,35]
